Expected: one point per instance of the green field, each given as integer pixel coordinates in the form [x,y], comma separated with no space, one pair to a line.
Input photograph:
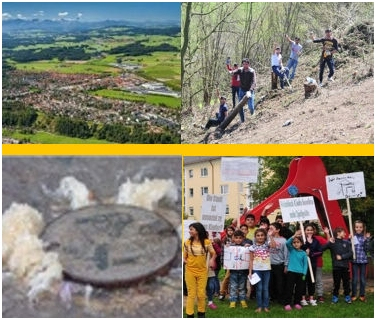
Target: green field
[48,138]
[154,99]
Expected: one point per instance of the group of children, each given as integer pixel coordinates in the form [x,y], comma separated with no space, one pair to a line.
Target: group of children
[282,266]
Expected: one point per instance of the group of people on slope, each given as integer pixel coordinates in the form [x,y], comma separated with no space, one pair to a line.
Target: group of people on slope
[281,265]
[243,79]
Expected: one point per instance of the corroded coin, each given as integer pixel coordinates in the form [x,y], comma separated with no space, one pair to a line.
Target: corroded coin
[112,244]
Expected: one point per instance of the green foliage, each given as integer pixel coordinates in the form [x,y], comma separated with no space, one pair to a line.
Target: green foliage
[17,114]
[275,171]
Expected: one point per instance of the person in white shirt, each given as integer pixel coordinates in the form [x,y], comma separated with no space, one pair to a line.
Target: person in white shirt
[277,66]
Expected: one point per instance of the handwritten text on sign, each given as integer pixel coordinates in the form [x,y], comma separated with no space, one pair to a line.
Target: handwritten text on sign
[343,186]
[236,257]
[239,169]
[213,212]
[298,209]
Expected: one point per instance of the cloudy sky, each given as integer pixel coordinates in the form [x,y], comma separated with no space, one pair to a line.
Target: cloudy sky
[92,11]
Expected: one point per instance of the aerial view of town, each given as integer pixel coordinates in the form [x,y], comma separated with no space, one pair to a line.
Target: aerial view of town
[91,73]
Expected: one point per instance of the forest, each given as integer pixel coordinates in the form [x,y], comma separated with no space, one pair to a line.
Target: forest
[211,32]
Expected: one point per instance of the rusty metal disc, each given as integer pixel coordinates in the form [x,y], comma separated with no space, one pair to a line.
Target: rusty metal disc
[108,245]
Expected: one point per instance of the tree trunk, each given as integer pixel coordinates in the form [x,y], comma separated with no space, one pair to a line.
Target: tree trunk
[233,113]
[274,81]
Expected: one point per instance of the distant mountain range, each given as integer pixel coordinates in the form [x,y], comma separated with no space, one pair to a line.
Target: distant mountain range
[16,25]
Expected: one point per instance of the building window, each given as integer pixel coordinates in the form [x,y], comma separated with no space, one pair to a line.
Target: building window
[224,189]
[204,190]
[204,172]
[191,211]
[191,192]
[227,210]
[190,173]
[241,208]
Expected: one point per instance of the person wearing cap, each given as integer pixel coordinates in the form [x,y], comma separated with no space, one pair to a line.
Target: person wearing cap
[296,50]
[247,77]
[235,81]
[220,115]
[329,47]
[277,66]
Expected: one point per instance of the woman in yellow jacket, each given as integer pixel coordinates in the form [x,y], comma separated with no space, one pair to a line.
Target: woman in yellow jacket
[196,249]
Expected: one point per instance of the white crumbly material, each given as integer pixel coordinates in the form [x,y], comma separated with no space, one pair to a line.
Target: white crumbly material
[19,220]
[23,252]
[146,194]
[75,191]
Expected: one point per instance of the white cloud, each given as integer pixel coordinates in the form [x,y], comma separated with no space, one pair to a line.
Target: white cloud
[20,16]
[7,16]
[62,14]
[79,15]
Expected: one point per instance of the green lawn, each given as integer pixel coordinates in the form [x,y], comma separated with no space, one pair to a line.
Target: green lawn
[48,138]
[153,99]
[357,309]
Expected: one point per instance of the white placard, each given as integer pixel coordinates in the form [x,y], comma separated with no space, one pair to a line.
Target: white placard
[213,212]
[298,209]
[239,169]
[344,186]
[236,257]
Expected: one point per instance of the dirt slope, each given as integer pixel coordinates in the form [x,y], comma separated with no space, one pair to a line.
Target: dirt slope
[342,113]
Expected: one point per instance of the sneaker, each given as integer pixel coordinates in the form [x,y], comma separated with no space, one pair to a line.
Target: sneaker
[312,302]
[353,298]
[362,299]
[334,299]
[321,299]
[212,306]
[320,84]
[298,307]
[348,299]
[222,297]
[304,302]
[232,304]
[244,304]
[288,308]
[331,79]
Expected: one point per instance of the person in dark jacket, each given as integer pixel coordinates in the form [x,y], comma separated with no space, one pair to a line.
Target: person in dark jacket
[342,254]
[329,47]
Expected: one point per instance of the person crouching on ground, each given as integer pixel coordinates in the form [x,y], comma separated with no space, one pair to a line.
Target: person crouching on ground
[220,115]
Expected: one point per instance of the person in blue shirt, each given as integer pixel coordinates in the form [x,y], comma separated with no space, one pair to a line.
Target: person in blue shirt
[296,272]
[296,50]
[220,115]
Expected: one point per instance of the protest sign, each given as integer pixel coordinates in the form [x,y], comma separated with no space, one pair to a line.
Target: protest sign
[213,212]
[236,257]
[298,208]
[239,169]
[342,186]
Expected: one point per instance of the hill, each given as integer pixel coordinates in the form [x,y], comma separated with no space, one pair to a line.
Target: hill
[342,112]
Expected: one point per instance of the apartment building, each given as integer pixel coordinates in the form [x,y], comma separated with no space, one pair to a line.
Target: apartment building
[202,175]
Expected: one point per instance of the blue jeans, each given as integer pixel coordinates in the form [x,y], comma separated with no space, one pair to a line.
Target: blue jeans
[251,103]
[238,284]
[358,275]
[292,64]
[330,63]
[276,70]
[210,288]
[262,288]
